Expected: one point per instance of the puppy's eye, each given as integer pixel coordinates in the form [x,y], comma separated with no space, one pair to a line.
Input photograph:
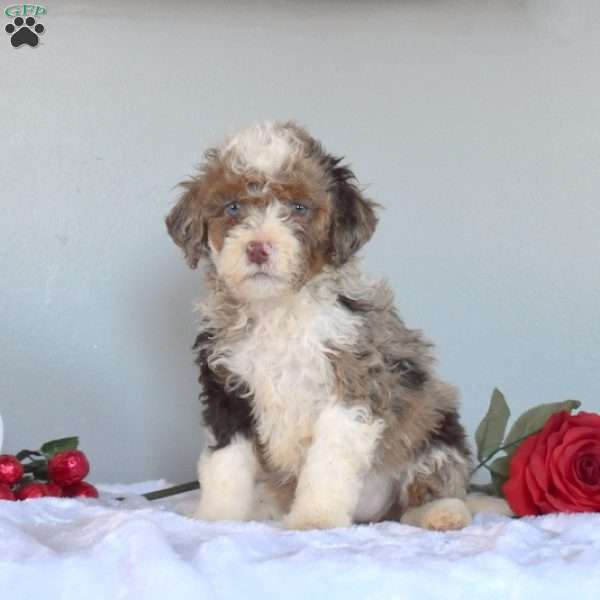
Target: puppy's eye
[299,208]
[232,208]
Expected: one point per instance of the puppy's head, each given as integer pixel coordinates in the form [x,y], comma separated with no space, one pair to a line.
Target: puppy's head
[270,208]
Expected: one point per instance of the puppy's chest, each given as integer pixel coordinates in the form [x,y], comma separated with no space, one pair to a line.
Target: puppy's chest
[284,359]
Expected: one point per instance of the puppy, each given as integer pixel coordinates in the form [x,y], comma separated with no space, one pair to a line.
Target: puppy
[323,408]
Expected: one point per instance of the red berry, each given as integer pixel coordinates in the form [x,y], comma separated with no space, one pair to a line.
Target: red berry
[83,489]
[5,493]
[54,490]
[11,470]
[68,468]
[32,490]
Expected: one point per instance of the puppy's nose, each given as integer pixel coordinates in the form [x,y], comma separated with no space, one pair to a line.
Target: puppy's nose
[258,252]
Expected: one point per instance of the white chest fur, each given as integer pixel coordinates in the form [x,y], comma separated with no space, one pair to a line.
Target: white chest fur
[285,360]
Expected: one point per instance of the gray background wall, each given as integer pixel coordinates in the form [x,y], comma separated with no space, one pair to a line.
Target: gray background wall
[475,123]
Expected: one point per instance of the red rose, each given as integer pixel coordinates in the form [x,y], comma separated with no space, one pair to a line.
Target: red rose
[68,468]
[557,469]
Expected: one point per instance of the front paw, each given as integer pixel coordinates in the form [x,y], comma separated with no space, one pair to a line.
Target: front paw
[207,512]
[315,519]
[212,510]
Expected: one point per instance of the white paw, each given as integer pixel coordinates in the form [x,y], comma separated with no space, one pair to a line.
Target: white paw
[444,514]
[208,513]
[304,520]
[227,481]
[209,509]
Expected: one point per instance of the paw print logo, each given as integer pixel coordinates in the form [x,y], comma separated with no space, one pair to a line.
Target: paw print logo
[24,32]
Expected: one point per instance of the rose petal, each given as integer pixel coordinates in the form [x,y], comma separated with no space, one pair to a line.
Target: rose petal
[536,474]
[581,433]
[537,492]
[556,421]
[559,463]
[515,489]
[585,419]
[585,494]
[563,485]
[562,505]
[550,437]
[552,443]
[518,497]
[553,440]
[543,468]
[547,472]
[587,467]
[537,461]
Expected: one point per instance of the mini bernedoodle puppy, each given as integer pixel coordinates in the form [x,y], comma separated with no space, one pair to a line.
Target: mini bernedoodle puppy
[323,408]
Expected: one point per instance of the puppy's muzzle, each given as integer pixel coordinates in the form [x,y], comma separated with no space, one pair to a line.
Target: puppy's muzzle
[258,252]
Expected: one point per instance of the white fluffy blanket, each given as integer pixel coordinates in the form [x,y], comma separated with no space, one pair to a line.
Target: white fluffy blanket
[63,549]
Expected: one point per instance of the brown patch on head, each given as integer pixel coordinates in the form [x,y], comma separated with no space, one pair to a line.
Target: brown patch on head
[354,218]
[186,225]
[312,228]
[339,220]
[222,190]
[187,221]
[199,216]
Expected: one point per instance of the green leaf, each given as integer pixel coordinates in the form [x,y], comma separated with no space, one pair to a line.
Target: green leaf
[490,432]
[35,465]
[497,482]
[501,466]
[28,454]
[37,468]
[55,446]
[533,420]
[499,471]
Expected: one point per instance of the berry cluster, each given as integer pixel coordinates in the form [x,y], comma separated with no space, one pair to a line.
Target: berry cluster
[58,469]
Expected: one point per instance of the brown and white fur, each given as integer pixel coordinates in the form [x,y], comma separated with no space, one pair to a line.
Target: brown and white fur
[323,408]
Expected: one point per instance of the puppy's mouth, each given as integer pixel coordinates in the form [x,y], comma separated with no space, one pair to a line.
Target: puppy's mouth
[263,276]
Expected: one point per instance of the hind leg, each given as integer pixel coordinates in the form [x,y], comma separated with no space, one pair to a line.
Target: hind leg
[434,492]
[443,514]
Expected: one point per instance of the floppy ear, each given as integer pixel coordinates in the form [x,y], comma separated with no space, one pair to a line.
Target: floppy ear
[186,225]
[354,218]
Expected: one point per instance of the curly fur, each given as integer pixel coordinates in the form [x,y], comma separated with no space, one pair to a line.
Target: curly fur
[302,356]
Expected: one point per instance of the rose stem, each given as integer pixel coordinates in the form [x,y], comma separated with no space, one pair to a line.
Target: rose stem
[499,449]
